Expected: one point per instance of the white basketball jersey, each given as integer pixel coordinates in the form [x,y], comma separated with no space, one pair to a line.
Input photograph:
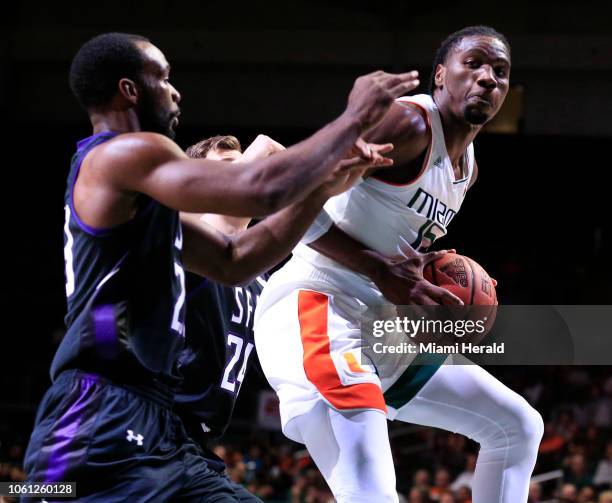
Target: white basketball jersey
[377,213]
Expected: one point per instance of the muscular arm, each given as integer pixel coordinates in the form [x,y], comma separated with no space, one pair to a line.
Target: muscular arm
[146,163]
[406,127]
[239,258]
[151,164]
[399,279]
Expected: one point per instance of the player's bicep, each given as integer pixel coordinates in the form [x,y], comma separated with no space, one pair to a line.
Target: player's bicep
[407,128]
[127,163]
[151,164]
[196,185]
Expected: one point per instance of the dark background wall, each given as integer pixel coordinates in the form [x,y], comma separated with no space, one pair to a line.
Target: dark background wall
[267,63]
[538,218]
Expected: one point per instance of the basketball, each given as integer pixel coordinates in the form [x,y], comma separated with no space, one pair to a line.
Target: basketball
[467,279]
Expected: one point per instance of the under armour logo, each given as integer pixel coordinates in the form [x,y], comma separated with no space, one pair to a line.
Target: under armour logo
[130,436]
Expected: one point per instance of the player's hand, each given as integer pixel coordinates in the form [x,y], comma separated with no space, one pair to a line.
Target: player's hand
[373,94]
[350,170]
[453,250]
[369,152]
[263,146]
[401,279]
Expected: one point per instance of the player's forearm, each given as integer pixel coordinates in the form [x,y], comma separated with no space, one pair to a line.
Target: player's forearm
[288,176]
[255,188]
[206,251]
[264,245]
[349,252]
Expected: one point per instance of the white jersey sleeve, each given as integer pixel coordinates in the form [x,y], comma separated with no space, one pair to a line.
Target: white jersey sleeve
[319,227]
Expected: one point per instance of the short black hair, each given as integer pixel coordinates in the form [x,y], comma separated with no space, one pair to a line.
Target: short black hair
[99,65]
[453,41]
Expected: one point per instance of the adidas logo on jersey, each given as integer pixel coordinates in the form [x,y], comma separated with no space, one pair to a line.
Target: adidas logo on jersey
[438,162]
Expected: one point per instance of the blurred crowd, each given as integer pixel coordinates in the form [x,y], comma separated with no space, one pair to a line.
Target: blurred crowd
[574,464]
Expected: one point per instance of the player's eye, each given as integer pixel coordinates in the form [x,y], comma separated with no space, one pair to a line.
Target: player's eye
[500,72]
[472,63]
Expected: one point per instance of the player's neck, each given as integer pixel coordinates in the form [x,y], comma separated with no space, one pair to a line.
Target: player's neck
[121,121]
[458,134]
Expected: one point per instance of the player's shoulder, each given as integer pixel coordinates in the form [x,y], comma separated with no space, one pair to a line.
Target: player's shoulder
[129,155]
[412,118]
[404,121]
[139,147]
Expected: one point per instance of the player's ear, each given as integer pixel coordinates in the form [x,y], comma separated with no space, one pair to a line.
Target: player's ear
[128,90]
[439,76]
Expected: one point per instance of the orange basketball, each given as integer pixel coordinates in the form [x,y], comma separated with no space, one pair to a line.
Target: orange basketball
[468,280]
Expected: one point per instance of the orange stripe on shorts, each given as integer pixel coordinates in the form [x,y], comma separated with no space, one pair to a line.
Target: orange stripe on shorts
[319,367]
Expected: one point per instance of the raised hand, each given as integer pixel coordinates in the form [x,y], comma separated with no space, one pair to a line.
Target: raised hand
[263,146]
[349,171]
[373,94]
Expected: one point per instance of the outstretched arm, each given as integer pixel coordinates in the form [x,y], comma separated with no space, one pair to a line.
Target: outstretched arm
[146,163]
[239,258]
[272,183]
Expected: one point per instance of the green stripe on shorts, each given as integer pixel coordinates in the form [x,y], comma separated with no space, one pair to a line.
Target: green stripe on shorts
[422,368]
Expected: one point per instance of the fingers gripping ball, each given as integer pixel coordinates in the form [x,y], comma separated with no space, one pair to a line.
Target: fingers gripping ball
[468,280]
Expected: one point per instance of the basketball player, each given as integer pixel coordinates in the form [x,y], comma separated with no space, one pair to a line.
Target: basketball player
[307,324]
[219,335]
[106,422]
[219,318]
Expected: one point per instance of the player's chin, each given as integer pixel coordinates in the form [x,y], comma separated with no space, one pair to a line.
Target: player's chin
[477,115]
